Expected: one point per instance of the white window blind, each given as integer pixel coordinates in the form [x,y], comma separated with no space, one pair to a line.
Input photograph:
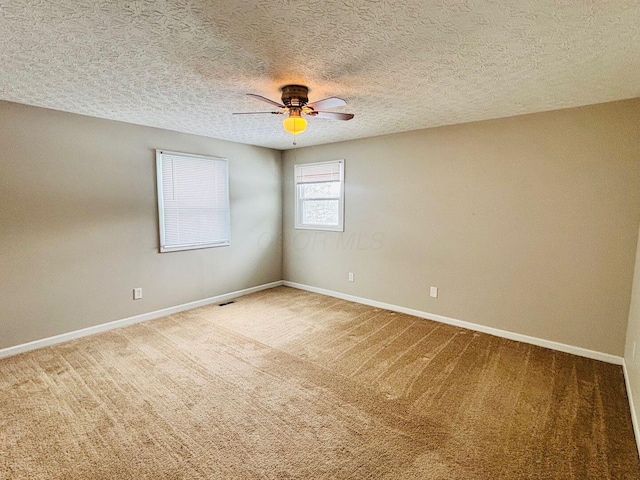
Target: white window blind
[193,201]
[320,196]
[318,172]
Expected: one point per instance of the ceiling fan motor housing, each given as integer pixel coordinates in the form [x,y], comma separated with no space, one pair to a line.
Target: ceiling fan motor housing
[295,95]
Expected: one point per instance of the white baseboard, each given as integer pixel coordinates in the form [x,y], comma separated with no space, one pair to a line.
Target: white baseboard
[634,417]
[45,342]
[583,352]
[103,327]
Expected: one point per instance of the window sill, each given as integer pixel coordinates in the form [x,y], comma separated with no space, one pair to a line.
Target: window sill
[319,228]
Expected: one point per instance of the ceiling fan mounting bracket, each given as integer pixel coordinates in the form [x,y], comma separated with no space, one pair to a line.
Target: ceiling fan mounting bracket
[295,95]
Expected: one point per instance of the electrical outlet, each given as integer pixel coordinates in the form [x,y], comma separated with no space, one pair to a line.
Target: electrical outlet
[351,276]
[137,293]
[433,292]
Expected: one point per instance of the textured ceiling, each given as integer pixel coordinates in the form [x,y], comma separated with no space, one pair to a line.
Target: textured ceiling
[401,65]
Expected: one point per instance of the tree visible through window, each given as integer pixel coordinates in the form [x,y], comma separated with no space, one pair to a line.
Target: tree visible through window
[320,195]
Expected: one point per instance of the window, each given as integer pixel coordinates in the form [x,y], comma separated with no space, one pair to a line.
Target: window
[320,196]
[193,201]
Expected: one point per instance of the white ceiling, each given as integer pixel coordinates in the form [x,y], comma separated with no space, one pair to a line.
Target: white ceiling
[401,65]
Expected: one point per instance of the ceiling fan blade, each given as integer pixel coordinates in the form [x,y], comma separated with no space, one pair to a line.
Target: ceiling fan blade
[331,102]
[265,99]
[255,113]
[333,115]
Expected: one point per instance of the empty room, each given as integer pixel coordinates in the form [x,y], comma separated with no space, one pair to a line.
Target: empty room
[287,239]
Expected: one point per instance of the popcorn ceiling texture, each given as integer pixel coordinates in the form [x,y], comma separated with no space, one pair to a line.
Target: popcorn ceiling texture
[401,65]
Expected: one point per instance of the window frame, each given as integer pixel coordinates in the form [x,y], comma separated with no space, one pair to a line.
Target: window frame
[161,220]
[298,225]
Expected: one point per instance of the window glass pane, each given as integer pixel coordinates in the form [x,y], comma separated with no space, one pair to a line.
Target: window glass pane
[320,196]
[320,212]
[320,190]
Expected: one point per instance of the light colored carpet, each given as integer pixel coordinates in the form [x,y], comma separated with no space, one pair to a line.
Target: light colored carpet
[286,384]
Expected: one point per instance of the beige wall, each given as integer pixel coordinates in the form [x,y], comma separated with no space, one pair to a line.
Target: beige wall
[527,224]
[632,360]
[78,223]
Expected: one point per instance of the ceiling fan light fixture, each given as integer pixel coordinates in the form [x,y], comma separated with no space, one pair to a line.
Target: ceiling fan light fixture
[294,123]
[295,103]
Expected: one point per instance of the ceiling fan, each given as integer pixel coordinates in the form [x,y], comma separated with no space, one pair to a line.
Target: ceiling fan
[295,103]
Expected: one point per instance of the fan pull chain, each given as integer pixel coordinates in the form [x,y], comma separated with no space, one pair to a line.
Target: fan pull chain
[294,135]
